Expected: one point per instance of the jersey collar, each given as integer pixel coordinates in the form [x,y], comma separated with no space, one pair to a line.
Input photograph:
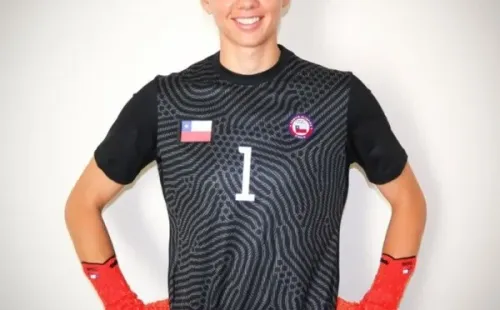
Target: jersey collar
[252,79]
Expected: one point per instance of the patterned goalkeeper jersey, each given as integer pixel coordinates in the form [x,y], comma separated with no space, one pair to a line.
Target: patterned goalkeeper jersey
[254,171]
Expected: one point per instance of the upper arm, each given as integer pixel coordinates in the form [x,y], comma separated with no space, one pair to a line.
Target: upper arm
[403,190]
[130,143]
[371,142]
[129,146]
[94,188]
[374,146]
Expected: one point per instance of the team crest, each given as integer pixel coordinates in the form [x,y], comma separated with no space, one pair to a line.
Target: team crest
[301,127]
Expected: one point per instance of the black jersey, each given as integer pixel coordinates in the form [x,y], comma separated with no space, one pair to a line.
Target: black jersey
[254,170]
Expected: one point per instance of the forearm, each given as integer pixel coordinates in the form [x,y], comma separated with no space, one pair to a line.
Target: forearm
[402,241]
[88,232]
[402,244]
[95,251]
[405,230]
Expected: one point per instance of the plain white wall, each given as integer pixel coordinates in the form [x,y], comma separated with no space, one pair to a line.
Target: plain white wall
[68,67]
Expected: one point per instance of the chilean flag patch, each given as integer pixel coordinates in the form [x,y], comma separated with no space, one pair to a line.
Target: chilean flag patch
[196,131]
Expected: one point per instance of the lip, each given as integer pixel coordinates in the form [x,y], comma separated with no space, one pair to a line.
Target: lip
[248,27]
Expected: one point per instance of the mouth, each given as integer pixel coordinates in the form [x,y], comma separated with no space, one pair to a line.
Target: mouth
[247,20]
[248,23]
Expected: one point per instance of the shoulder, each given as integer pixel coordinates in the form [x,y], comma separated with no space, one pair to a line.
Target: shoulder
[199,71]
[341,81]
[315,73]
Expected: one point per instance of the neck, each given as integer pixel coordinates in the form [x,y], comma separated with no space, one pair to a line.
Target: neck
[249,60]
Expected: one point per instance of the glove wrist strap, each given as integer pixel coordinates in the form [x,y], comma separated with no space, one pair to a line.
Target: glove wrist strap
[109,283]
[390,281]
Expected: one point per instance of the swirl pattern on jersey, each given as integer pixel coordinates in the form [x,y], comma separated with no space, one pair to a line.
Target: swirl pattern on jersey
[280,251]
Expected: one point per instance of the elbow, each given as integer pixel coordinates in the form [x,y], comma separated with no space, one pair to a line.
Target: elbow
[423,209]
[79,206]
[420,206]
[413,208]
[71,211]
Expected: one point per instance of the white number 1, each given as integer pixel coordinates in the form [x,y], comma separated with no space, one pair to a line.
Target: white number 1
[245,182]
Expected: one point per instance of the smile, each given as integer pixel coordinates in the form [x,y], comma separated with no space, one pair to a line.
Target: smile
[247,20]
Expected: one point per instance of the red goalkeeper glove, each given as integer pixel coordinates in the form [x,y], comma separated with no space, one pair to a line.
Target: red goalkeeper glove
[159,305]
[390,283]
[111,286]
[343,304]
[113,289]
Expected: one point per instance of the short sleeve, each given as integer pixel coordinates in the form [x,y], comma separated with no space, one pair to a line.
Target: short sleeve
[130,143]
[371,142]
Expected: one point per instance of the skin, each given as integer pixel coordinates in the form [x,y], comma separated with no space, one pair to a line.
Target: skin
[247,52]
[409,213]
[243,52]
[83,214]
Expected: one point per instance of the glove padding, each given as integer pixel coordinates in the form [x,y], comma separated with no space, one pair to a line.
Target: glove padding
[343,304]
[372,307]
[158,305]
[139,305]
[388,287]
[350,305]
[113,289]
[390,283]
[111,286]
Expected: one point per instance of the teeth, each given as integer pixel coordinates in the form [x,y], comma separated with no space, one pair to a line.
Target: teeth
[248,21]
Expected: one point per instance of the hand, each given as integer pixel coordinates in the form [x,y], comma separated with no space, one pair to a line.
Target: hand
[158,305]
[128,303]
[343,304]
[389,284]
[367,305]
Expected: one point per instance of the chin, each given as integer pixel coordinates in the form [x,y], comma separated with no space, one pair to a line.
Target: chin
[250,44]
[250,41]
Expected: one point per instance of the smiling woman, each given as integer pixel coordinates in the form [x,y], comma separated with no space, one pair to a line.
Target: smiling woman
[252,146]
[260,100]
[243,26]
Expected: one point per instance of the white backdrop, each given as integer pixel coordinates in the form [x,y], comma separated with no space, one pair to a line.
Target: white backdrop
[68,67]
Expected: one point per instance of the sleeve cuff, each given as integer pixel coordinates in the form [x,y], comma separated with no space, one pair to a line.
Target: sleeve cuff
[110,170]
[391,174]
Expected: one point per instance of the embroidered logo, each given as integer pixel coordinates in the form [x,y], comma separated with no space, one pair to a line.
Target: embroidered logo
[301,126]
